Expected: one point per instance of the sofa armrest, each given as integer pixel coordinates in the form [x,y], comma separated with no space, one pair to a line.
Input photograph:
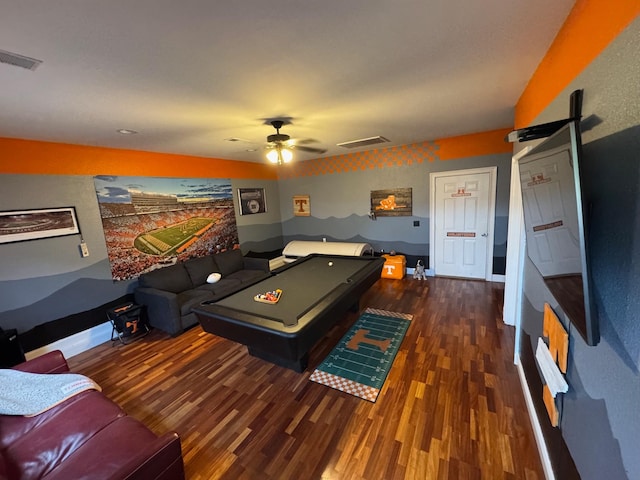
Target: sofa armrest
[254,263]
[51,362]
[159,460]
[124,449]
[162,308]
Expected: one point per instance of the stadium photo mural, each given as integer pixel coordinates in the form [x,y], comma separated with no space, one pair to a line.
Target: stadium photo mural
[152,222]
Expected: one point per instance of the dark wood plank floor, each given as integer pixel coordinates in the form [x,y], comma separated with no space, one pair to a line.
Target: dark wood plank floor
[451,408]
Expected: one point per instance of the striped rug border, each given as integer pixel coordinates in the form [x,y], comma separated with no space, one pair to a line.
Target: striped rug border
[345,385]
[386,313]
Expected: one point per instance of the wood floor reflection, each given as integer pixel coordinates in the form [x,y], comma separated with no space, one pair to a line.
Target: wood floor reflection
[451,408]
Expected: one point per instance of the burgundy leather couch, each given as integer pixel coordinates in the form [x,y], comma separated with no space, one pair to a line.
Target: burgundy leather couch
[85,437]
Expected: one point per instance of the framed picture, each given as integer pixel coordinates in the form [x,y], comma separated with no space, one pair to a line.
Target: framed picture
[301,206]
[21,225]
[251,201]
[396,202]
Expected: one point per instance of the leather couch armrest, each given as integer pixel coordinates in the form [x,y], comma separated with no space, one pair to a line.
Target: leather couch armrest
[51,362]
[162,308]
[160,460]
[254,263]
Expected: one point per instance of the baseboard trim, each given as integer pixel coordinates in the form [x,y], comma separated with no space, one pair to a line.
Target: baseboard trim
[537,431]
[498,278]
[77,343]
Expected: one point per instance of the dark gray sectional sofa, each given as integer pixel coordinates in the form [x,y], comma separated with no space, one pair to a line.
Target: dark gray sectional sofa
[169,293]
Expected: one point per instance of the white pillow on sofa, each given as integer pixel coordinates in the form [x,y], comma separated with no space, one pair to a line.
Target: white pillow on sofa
[214,277]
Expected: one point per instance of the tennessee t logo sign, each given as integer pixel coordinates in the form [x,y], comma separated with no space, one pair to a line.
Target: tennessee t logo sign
[361,337]
[133,324]
[301,203]
[301,206]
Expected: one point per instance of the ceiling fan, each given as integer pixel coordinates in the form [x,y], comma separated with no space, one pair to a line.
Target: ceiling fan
[280,145]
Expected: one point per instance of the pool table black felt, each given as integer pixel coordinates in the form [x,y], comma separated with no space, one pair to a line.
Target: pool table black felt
[315,296]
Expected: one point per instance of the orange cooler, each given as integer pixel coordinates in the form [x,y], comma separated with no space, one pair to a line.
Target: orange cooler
[395,266]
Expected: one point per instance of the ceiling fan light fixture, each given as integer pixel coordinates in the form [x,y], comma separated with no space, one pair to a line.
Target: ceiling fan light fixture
[272,156]
[287,155]
[279,155]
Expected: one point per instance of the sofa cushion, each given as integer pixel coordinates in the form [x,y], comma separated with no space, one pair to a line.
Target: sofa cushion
[229,262]
[16,429]
[224,286]
[105,453]
[39,444]
[3,468]
[173,278]
[200,268]
[248,276]
[191,298]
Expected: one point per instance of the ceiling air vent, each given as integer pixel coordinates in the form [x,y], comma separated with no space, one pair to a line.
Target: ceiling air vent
[19,60]
[363,142]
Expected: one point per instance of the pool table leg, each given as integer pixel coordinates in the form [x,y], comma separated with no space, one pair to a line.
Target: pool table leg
[298,365]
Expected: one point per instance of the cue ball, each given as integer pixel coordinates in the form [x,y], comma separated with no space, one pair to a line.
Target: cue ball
[331,264]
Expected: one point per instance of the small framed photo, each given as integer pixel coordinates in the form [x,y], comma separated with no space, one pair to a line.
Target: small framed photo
[21,225]
[251,201]
[301,206]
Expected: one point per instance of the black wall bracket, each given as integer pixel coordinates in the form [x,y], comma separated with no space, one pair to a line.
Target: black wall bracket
[547,129]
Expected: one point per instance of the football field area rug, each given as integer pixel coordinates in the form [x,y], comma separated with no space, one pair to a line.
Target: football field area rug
[360,362]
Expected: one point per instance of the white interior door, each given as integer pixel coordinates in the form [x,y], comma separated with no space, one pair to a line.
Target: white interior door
[511,308]
[550,209]
[463,204]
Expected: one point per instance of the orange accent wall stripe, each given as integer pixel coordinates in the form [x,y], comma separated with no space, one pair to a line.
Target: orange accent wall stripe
[363,160]
[47,158]
[464,146]
[590,27]
[473,145]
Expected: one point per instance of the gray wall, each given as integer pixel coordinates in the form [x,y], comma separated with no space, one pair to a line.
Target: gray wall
[260,232]
[47,279]
[600,417]
[340,203]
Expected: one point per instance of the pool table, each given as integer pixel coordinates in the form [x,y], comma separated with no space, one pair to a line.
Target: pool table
[317,291]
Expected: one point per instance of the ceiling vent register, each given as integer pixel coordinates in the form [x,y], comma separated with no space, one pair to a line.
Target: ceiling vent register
[363,142]
[19,60]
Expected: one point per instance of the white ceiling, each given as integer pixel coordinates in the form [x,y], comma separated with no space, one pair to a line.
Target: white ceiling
[189,74]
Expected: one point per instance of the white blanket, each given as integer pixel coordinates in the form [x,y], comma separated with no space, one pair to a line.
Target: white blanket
[29,394]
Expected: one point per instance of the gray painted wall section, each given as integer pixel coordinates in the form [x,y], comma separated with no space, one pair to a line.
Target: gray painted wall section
[47,279]
[340,203]
[260,232]
[600,417]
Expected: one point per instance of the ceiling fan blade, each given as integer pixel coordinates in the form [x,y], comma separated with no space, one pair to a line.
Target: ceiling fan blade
[241,140]
[284,141]
[304,141]
[311,149]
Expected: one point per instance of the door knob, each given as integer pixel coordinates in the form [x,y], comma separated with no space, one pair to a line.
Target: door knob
[483,235]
